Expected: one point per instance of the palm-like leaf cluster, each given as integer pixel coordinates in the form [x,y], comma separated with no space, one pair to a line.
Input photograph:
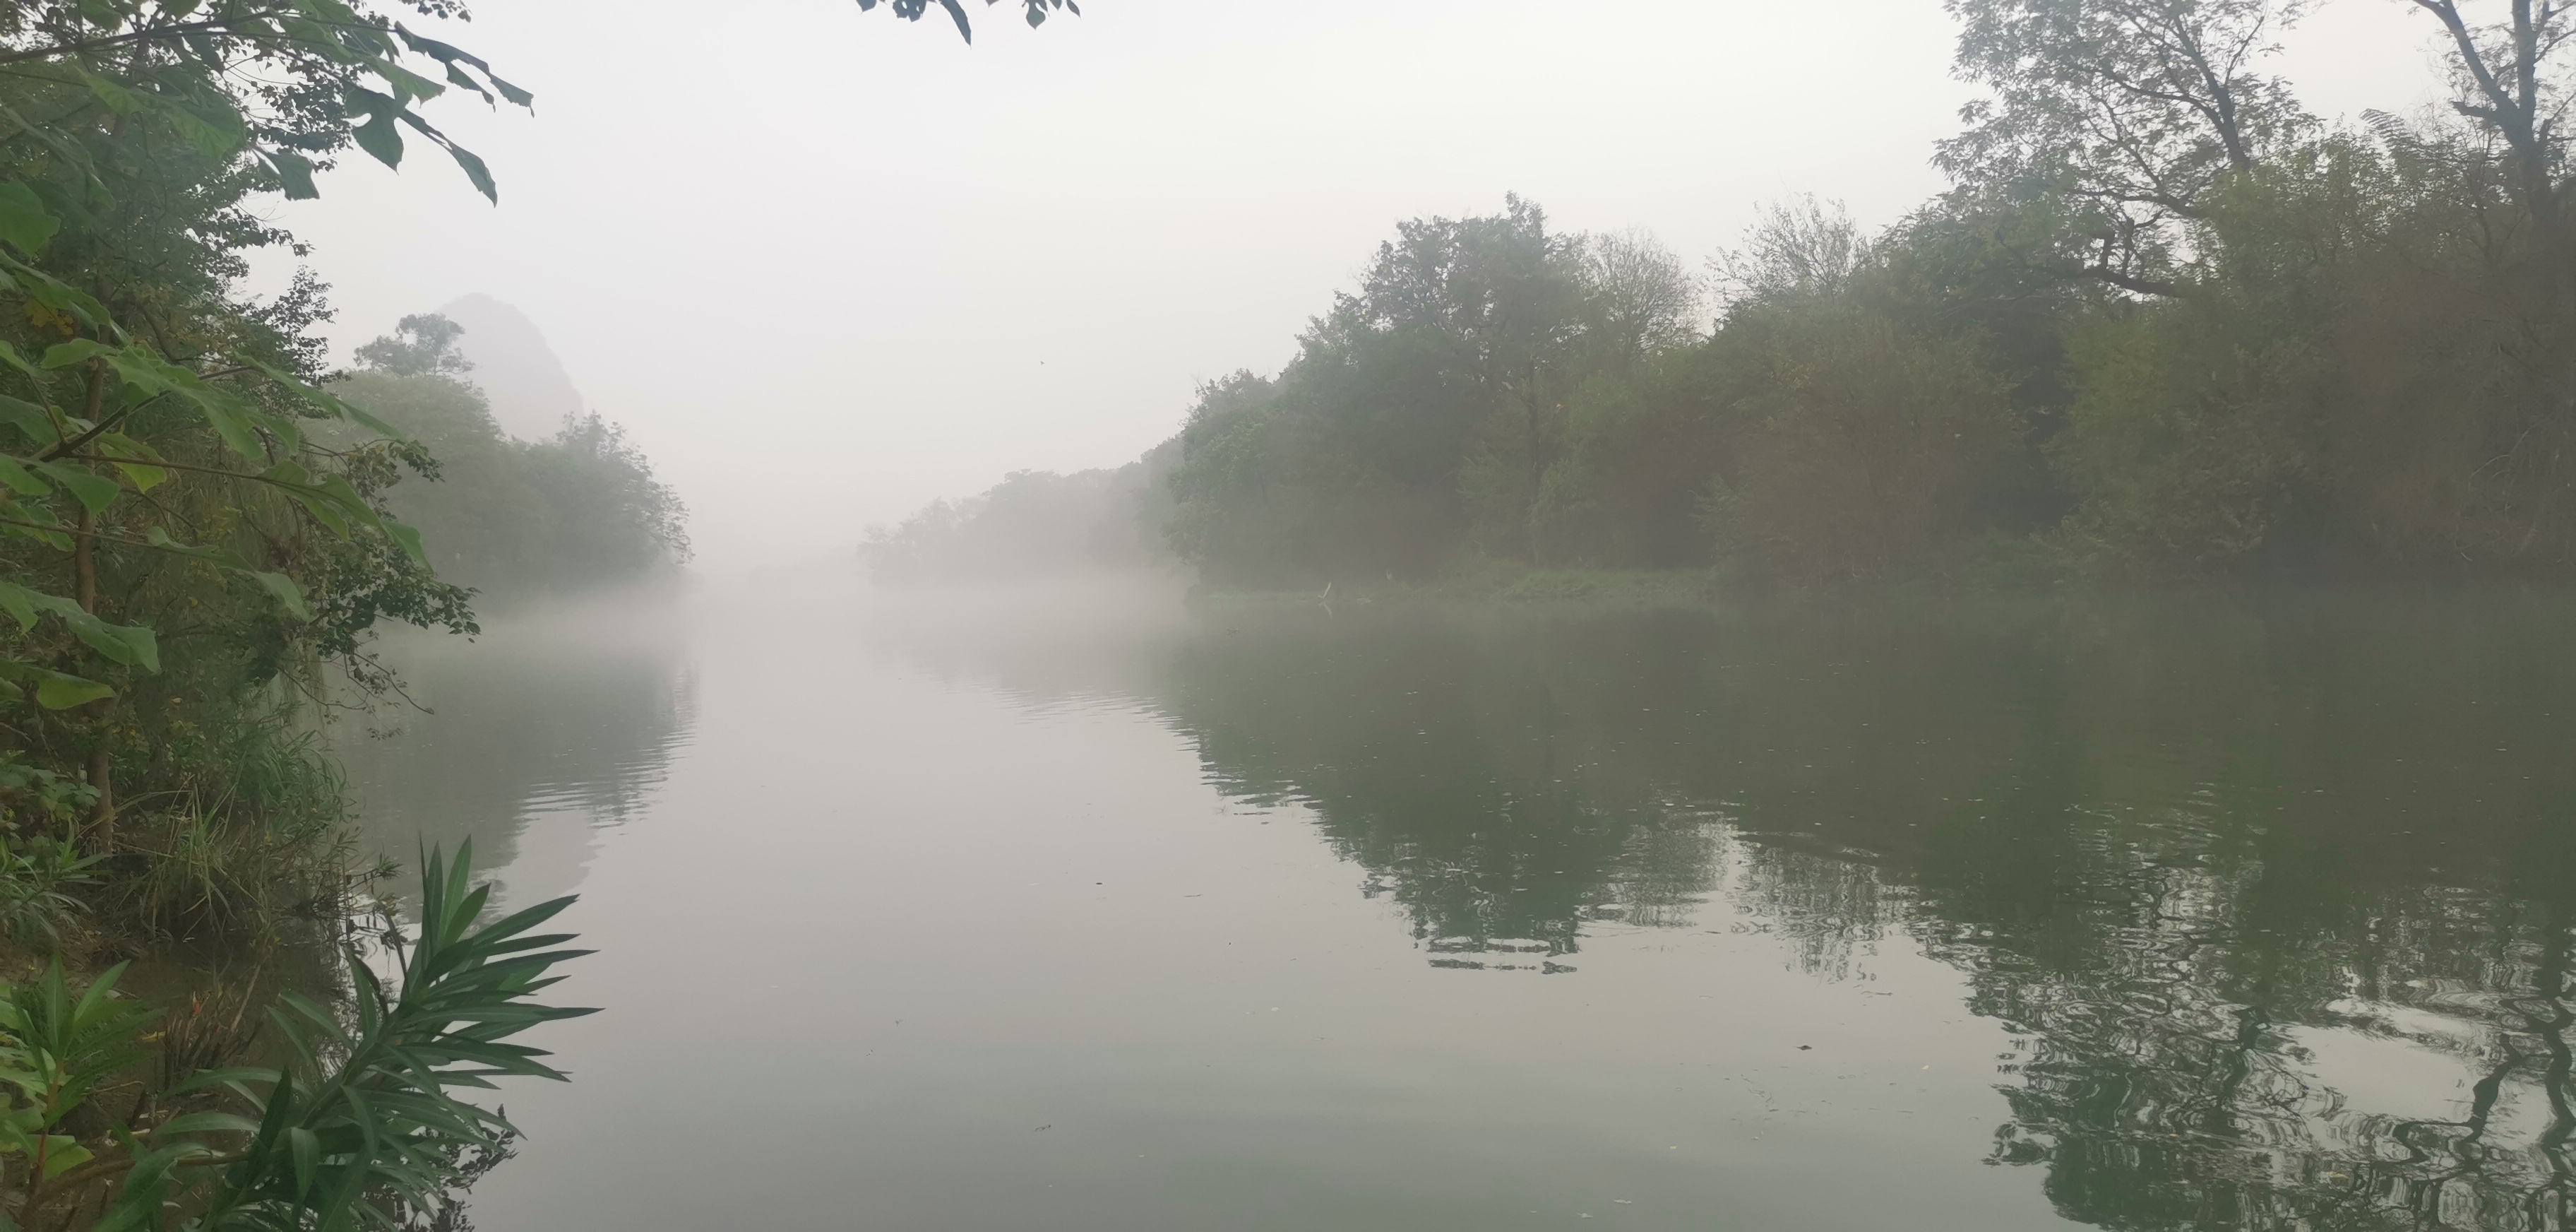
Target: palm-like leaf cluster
[363,1125]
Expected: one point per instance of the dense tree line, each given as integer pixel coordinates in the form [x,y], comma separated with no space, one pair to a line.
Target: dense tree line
[513,520]
[198,530]
[192,524]
[1033,524]
[200,526]
[2166,321]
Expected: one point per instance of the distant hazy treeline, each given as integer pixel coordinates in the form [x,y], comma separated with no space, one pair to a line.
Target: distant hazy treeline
[1033,524]
[512,519]
[2166,321]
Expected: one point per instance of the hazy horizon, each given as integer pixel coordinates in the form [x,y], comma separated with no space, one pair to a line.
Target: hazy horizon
[962,262]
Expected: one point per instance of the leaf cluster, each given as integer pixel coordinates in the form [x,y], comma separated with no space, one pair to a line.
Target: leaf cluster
[365,1124]
[912,10]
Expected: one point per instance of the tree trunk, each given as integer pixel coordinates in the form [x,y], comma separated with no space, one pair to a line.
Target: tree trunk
[102,753]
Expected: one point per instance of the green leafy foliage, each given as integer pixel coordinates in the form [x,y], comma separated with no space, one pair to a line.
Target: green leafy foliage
[158,466]
[2165,323]
[362,1126]
[515,520]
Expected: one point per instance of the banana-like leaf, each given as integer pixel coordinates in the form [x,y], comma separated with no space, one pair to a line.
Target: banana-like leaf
[131,645]
[21,480]
[9,355]
[24,220]
[57,691]
[134,459]
[94,491]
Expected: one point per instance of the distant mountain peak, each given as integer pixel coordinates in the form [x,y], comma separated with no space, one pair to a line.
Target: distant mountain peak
[531,394]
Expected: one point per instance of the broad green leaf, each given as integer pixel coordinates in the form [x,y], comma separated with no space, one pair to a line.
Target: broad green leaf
[334,503]
[131,645]
[337,488]
[22,480]
[28,418]
[211,123]
[457,76]
[445,53]
[65,354]
[9,355]
[407,84]
[94,491]
[72,155]
[146,477]
[408,539]
[56,691]
[58,295]
[324,401]
[322,511]
[359,416]
[230,424]
[295,173]
[119,99]
[33,522]
[380,137]
[63,1154]
[20,603]
[289,594]
[475,171]
[513,93]
[224,557]
[148,372]
[24,220]
[135,459]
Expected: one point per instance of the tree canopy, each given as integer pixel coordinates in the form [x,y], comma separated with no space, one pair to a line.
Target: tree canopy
[2164,321]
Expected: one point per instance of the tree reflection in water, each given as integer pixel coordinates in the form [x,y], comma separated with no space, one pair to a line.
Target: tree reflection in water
[546,729]
[2277,894]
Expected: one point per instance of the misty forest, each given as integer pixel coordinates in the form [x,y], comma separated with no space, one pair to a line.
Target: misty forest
[2048,707]
[2166,324]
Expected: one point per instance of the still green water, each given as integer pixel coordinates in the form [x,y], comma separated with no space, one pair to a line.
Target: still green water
[2194,912]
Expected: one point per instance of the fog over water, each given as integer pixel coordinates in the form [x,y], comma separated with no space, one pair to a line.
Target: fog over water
[828,266]
[1082,910]
[1636,890]
[1291,616]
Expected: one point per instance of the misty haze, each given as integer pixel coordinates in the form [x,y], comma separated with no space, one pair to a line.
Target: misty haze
[916,614]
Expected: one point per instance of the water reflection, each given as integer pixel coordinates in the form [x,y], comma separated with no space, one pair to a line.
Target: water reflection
[2275,895]
[528,740]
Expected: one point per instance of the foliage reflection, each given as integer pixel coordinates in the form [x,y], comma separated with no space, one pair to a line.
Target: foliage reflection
[2277,893]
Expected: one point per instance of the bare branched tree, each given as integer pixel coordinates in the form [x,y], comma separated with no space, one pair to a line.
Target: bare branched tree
[1802,246]
[1640,297]
[2501,74]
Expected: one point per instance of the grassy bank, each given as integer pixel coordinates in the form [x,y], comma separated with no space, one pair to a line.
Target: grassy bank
[1992,566]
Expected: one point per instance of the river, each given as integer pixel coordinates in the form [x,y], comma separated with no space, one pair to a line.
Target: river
[2200,911]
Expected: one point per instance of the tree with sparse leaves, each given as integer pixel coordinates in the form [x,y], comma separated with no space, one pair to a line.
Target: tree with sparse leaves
[2124,114]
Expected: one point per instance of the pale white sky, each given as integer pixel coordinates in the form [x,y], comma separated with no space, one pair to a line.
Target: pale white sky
[827,266]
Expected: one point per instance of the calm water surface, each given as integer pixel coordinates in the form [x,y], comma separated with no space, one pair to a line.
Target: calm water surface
[2193,913]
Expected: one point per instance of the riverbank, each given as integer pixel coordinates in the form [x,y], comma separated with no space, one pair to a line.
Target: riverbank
[2015,568]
